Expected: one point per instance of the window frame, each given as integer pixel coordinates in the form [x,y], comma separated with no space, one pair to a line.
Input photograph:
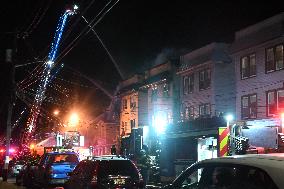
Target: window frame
[274,61]
[249,96]
[185,85]
[276,99]
[206,82]
[124,104]
[250,74]
[205,105]
[154,95]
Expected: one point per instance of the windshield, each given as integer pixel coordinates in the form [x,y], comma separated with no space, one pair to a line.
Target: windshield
[117,167]
[62,158]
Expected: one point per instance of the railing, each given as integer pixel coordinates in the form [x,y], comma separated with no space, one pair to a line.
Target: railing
[197,125]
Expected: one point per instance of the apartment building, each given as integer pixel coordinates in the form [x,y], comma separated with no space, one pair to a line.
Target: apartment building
[257,53]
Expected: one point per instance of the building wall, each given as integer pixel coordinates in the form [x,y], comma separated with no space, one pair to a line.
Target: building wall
[220,95]
[128,114]
[224,88]
[143,107]
[162,106]
[264,34]
[197,97]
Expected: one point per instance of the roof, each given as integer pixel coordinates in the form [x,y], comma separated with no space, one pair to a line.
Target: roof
[109,157]
[273,164]
[62,152]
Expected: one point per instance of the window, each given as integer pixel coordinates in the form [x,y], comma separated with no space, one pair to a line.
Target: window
[249,106]
[188,84]
[248,66]
[191,83]
[185,84]
[166,89]
[189,112]
[275,101]
[132,123]
[124,102]
[274,58]
[154,96]
[204,110]
[204,79]
[132,103]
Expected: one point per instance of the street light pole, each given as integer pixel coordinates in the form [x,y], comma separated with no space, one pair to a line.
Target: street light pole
[10,110]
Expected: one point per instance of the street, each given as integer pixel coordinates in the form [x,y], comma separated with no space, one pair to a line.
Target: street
[10,184]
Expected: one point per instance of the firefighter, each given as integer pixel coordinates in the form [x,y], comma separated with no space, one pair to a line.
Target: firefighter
[143,163]
[113,150]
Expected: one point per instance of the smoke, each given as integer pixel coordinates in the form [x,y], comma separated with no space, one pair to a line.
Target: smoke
[168,54]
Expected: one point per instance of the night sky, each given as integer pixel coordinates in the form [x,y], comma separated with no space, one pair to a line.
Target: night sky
[136,33]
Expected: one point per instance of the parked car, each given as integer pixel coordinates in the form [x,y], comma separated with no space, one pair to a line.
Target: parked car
[105,172]
[255,171]
[53,169]
[25,175]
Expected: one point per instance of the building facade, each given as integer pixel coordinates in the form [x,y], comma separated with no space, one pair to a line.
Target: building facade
[257,53]
[207,85]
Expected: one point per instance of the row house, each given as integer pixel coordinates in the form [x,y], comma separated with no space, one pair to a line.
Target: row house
[129,104]
[257,53]
[147,104]
[188,101]
[207,92]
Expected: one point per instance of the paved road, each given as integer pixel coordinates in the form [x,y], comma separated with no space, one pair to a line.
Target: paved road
[10,184]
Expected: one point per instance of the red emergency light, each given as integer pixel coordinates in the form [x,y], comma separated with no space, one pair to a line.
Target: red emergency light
[12,150]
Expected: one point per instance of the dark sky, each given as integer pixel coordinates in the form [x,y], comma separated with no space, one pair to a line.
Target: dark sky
[134,31]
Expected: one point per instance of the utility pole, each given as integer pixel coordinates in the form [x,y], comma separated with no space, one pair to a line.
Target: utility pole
[11,96]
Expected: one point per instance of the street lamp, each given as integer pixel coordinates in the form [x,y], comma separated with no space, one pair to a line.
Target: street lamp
[56,112]
[228,118]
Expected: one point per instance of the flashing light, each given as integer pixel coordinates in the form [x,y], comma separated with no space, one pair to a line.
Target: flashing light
[160,123]
[56,112]
[32,146]
[2,150]
[12,150]
[282,115]
[229,117]
[49,62]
